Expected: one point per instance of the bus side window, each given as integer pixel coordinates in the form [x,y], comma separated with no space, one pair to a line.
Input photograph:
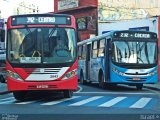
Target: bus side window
[101,48]
[94,49]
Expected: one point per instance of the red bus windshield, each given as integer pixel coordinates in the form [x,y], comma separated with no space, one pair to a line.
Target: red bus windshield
[41,45]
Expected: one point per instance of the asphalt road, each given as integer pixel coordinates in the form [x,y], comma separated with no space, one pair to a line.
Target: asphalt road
[90,102]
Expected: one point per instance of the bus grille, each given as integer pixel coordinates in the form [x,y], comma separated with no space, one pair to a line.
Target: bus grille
[43,71]
[44,74]
[136,73]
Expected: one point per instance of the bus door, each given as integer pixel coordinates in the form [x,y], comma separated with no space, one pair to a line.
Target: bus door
[107,57]
[88,55]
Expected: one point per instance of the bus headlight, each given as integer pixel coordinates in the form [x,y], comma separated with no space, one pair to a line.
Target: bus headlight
[70,74]
[13,75]
[152,73]
[117,72]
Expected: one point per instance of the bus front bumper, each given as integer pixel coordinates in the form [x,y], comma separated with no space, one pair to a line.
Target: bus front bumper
[69,84]
[134,79]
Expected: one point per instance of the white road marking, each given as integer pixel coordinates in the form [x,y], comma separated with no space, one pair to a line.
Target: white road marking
[112,102]
[59,101]
[23,103]
[141,103]
[9,101]
[138,93]
[80,89]
[6,98]
[82,102]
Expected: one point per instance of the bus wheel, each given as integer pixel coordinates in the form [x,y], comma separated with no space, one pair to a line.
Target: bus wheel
[2,80]
[139,86]
[82,81]
[68,93]
[101,81]
[19,95]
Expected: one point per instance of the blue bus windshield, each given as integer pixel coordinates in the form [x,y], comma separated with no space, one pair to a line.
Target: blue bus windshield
[133,52]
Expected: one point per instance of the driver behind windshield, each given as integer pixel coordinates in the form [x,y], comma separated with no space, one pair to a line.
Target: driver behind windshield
[60,44]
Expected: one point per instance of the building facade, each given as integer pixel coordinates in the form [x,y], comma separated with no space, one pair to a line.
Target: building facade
[16,9]
[85,12]
[25,8]
[91,13]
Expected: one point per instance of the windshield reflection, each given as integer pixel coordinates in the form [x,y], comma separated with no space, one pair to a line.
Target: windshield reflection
[42,45]
[134,52]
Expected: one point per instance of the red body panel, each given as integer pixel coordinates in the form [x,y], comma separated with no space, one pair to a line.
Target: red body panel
[35,84]
[69,84]
[16,85]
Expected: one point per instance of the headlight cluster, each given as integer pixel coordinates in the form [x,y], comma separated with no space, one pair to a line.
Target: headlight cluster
[152,73]
[116,71]
[13,75]
[70,74]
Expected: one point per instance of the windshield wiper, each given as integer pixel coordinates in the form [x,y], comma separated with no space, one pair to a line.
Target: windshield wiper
[140,48]
[129,50]
[146,52]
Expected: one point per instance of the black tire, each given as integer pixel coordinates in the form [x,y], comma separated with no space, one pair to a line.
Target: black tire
[111,86]
[68,93]
[19,95]
[139,86]
[2,80]
[82,81]
[102,84]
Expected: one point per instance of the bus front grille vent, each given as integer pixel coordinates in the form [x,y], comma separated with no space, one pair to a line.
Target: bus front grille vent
[43,71]
[136,73]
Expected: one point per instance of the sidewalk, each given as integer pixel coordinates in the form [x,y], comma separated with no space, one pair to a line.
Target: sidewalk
[3,88]
[153,86]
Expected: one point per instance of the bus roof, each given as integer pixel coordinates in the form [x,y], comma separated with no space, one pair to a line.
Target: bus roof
[116,34]
[39,19]
[42,14]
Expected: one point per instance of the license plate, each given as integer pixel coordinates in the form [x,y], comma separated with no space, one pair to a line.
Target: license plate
[42,86]
[136,78]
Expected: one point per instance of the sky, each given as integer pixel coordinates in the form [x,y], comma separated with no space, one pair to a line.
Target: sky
[44,6]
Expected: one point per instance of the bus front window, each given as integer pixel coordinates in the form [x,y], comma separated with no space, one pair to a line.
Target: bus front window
[130,52]
[42,45]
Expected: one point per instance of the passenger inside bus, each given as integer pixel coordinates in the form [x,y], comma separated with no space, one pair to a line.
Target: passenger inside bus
[60,44]
[61,49]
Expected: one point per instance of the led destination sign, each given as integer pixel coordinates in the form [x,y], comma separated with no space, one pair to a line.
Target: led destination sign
[139,35]
[56,20]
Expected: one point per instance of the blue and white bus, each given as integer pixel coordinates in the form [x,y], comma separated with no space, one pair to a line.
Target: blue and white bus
[119,57]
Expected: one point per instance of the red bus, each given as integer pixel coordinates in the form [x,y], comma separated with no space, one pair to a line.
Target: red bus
[41,54]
